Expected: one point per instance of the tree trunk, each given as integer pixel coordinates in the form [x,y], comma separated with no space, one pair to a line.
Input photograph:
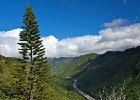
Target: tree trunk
[31,84]
[31,78]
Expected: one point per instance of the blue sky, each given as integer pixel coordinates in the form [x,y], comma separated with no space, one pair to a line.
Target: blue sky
[71,28]
[69,18]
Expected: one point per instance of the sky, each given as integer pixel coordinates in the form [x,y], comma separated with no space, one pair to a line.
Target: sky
[73,27]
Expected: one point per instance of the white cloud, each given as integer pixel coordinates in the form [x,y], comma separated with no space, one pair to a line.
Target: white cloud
[50,43]
[109,39]
[115,23]
[8,42]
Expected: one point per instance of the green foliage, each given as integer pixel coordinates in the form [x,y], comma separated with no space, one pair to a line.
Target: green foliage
[106,70]
[10,87]
[64,90]
[68,66]
[111,69]
[30,77]
[114,93]
[20,75]
[13,84]
[33,51]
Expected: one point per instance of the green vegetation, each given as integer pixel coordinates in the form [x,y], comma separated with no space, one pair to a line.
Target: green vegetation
[110,69]
[107,70]
[68,66]
[116,93]
[12,89]
[59,64]
[65,91]
[30,78]
[36,75]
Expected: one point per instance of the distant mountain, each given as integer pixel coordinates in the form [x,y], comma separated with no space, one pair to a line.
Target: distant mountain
[68,66]
[61,62]
[110,69]
[94,72]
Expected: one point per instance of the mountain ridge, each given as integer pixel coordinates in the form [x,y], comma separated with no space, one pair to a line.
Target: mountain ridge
[107,70]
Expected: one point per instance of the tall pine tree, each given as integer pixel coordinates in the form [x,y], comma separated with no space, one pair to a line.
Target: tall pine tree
[33,51]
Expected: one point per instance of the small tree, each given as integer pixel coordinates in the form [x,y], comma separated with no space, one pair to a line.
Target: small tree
[116,93]
[33,51]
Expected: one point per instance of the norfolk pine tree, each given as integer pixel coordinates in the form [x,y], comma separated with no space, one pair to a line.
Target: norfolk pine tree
[33,52]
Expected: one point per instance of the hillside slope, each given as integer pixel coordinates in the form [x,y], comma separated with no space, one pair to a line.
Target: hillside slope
[94,72]
[69,66]
[11,89]
[112,68]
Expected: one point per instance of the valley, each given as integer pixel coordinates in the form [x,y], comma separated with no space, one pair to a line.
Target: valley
[94,72]
[90,75]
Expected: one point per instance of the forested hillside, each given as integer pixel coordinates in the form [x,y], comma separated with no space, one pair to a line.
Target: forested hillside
[68,66]
[12,89]
[70,50]
[108,70]
[30,77]
[113,68]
